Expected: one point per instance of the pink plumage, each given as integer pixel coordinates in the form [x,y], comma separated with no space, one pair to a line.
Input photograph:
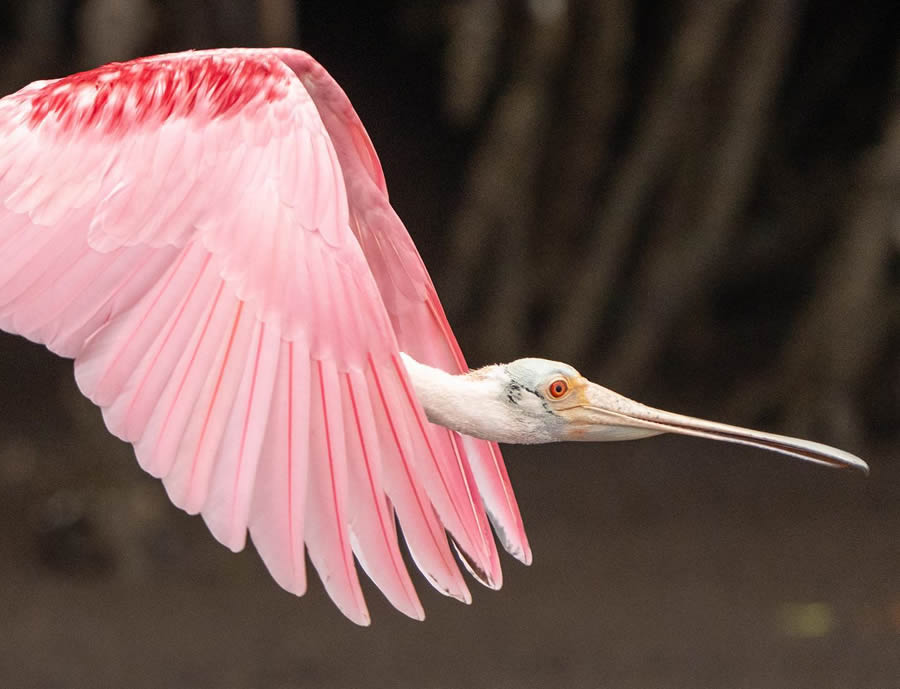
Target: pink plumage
[209,236]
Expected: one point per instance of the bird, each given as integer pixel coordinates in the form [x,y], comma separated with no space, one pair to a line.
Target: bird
[208,235]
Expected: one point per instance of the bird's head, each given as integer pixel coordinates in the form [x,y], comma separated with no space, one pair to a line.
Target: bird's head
[564,405]
[551,401]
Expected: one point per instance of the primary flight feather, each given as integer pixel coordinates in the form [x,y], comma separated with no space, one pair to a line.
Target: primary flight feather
[208,235]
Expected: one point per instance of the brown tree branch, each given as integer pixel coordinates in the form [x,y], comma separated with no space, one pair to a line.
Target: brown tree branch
[578,150]
[673,275]
[587,296]
[278,22]
[498,198]
[848,320]
[111,30]
[472,57]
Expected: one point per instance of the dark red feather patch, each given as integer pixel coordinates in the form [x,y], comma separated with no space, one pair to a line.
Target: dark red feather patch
[118,96]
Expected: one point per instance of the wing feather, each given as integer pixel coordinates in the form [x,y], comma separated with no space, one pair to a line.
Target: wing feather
[28,265]
[423,531]
[327,536]
[187,352]
[207,395]
[95,302]
[448,483]
[371,519]
[279,498]
[125,348]
[227,510]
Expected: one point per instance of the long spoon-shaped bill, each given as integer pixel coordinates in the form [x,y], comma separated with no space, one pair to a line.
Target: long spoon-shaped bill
[606,415]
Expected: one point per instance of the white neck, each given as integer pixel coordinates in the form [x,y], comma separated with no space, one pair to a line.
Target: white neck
[476,403]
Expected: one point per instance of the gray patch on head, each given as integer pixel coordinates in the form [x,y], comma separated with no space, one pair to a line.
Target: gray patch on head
[514,392]
[516,389]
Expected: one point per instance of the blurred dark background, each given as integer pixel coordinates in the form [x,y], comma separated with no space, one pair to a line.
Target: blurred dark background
[696,203]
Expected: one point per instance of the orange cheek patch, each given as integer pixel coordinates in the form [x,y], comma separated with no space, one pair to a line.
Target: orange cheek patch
[580,392]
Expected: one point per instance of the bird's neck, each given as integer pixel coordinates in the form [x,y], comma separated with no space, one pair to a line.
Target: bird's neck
[474,403]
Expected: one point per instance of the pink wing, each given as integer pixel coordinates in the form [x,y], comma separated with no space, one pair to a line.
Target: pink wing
[208,235]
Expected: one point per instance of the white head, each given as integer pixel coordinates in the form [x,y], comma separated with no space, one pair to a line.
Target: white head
[554,402]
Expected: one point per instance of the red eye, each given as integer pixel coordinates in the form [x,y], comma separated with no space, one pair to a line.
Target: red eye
[558,388]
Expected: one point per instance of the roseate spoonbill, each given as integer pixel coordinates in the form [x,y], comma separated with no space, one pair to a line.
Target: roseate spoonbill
[208,235]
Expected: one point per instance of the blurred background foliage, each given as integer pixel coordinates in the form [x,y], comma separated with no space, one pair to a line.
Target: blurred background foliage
[696,203]
[640,188]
